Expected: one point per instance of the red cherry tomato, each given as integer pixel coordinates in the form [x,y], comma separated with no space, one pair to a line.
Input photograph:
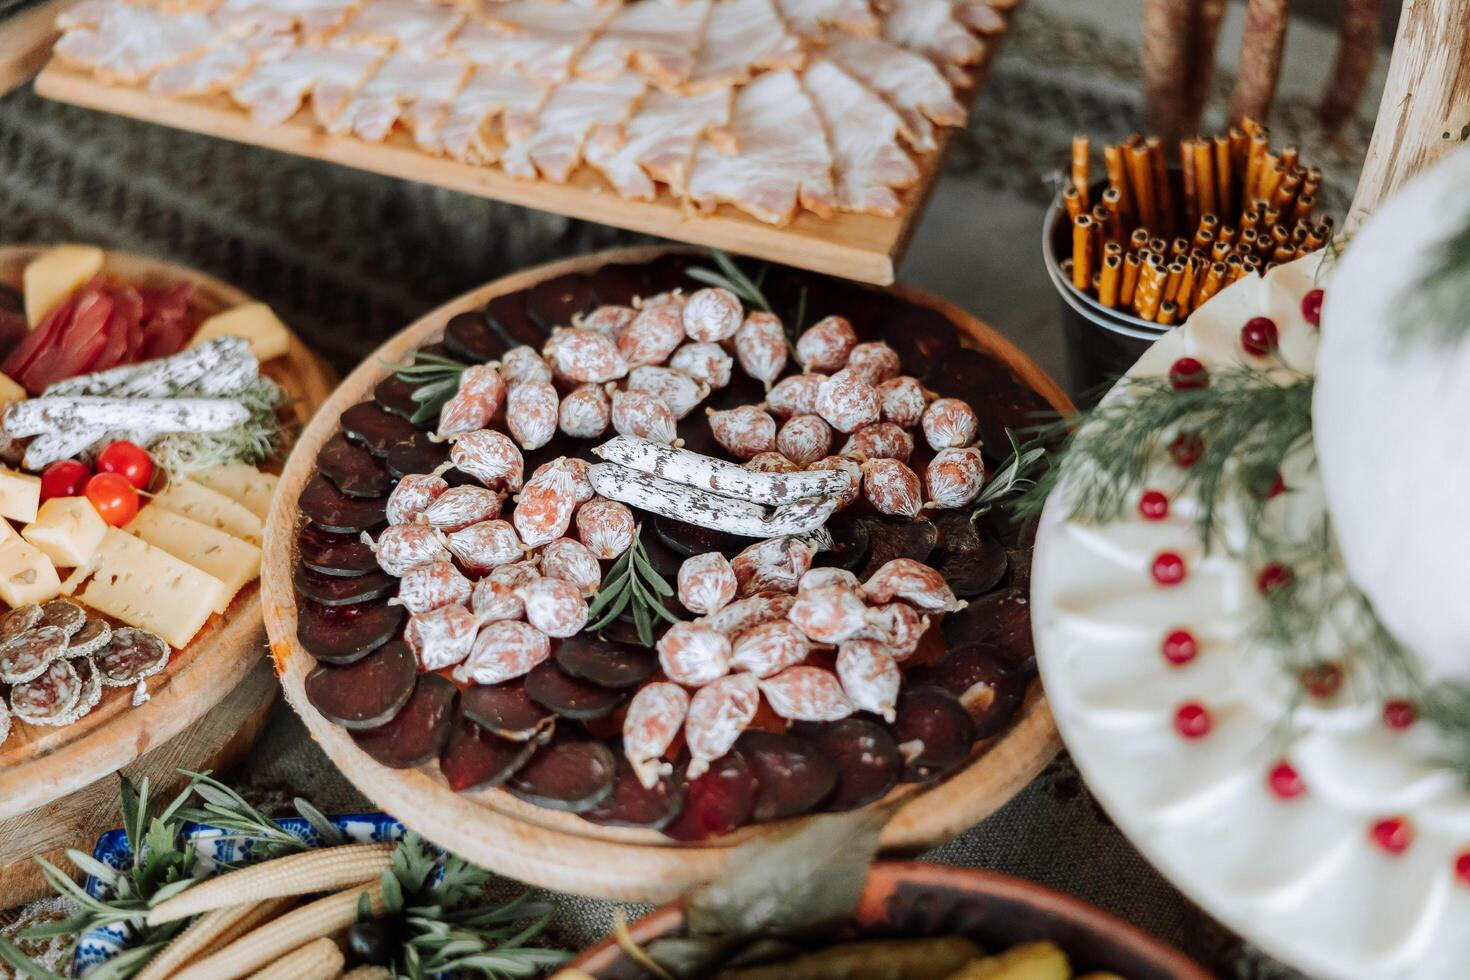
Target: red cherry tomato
[64,478]
[115,498]
[128,460]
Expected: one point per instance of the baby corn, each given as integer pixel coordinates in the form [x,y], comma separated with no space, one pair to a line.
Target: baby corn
[318,960]
[213,929]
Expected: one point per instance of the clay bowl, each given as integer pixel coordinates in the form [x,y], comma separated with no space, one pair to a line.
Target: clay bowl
[910,899]
[560,850]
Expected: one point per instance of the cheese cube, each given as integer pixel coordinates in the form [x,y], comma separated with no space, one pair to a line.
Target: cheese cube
[255,322]
[149,588]
[10,391]
[206,506]
[234,562]
[55,275]
[242,483]
[67,530]
[20,495]
[26,575]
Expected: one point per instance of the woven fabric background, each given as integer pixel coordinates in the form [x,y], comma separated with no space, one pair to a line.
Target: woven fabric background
[349,258]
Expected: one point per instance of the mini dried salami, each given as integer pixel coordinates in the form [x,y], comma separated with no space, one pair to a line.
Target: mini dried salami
[716,803]
[570,773]
[869,676]
[771,463]
[504,651]
[554,607]
[770,648]
[819,578]
[497,596]
[441,637]
[505,709]
[792,776]
[776,564]
[131,655]
[974,674]
[531,413]
[825,345]
[631,804]
[476,758]
[27,655]
[804,439]
[19,620]
[867,760]
[915,583]
[64,614]
[902,401]
[394,394]
[580,355]
[93,636]
[606,527]
[744,432]
[711,315]
[898,626]
[578,470]
[760,344]
[522,365]
[572,561]
[586,412]
[544,507]
[706,363]
[892,488]
[332,510]
[706,583]
[654,719]
[431,585]
[880,440]
[346,634]
[679,392]
[847,402]
[49,698]
[375,429]
[459,507]
[334,554]
[642,416]
[718,714]
[418,731]
[608,320]
[694,654]
[651,336]
[949,424]
[491,458]
[342,590]
[744,614]
[854,471]
[830,612]
[352,469]
[933,732]
[796,395]
[400,547]
[412,496]
[366,694]
[807,694]
[469,336]
[604,662]
[875,361]
[480,395]
[571,697]
[419,455]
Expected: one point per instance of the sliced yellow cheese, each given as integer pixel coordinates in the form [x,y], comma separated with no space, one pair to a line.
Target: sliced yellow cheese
[267,335]
[26,575]
[210,507]
[149,588]
[10,391]
[55,274]
[67,530]
[234,562]
[242,483]
[20,495]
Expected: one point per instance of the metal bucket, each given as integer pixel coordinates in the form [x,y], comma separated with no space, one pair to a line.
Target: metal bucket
[1101,343]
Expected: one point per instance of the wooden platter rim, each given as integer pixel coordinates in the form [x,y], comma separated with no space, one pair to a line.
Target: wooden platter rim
[58,761]
[562,851]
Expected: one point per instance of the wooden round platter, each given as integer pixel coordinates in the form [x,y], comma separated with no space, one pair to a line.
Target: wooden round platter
[39,766]
[559,850]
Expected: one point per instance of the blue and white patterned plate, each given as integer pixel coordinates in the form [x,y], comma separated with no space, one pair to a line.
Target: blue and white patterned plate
[99,945]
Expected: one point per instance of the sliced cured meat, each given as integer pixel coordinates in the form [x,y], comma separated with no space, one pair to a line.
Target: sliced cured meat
[867,760]
[375,429]
[64,614]
[658,42]
[932,28]
[850,544]
[274,90]
[906,80]
[210,72]
[631,804]
[418,731]
[18,620]
[812,18]
[718,802]
[505,709]
[477,758]
[553,148]
[334,554]
[91,680]
[569,773]
[332,510]
[315,18]
[93,636]
[346,634]
[27,655]
[933,732]
[368,693]
[665,560]
[393,394]
[1001,620]
[131,655]
[971,562]
[554,302]
[740,37]
[352,469]
[869,164]
[691,539]
[509,317]
[469,336]
[570,697]
[418,455]
[605,663]
[128,43]
[975,675]
[792,775]
[342,590]
[49,698]
[419,31]
[539,40]
[783,161]
[404,88]
[898,538]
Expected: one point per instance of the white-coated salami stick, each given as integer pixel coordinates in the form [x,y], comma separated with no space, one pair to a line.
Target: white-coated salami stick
[45,414]
[218,366]
[719,477]
[705,509]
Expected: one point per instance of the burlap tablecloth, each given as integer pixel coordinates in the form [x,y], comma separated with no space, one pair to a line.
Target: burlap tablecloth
[349,258]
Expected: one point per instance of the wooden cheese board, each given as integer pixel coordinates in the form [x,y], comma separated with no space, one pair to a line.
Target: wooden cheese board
[46,770]
[559,850]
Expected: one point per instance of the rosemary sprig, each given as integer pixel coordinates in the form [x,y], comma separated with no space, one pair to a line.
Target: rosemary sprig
[1015,475]
[435,379]
[259,438]
[632,587]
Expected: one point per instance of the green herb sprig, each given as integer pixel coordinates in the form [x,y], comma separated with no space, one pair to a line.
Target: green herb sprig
[259,438]
[435,379]
[632,587]
[1015,476]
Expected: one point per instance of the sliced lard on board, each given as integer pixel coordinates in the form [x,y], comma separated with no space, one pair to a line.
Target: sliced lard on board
[933,29]
[402,87]
[87,13]
[782,161]
[576,107]
[494,105]
[127,44]
[980,17]
[540,39]
[869,164]
[416,29]
[907,81]
[657,39]
[813,19]
[740,37]
[316,19]
[658,143]
[211,72]
[275,90]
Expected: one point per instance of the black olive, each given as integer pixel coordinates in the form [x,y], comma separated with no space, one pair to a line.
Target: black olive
[370,942]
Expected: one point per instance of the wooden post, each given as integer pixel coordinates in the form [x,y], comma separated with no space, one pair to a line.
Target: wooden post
[1425,112]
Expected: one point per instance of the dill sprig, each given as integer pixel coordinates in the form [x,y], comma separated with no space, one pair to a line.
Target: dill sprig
[435,379]
[632,587]
[259,438]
